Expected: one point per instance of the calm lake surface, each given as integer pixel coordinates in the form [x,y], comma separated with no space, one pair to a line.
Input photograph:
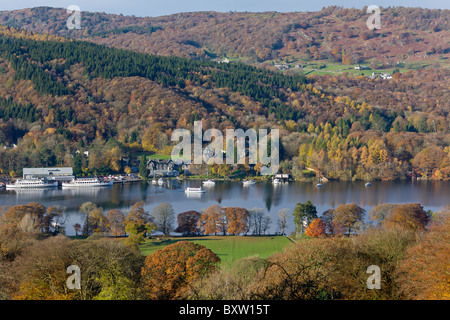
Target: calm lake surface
[433,195]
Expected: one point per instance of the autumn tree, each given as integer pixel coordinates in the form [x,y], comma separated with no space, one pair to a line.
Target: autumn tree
[381,212]
[29,217]
[212,220]
[423,274]
[301,272]
[349,215]
[333,227]
[384,248]
[188,223]
[13,241]
[316,228]
[237,220]
[168,273]
[115,222]
[410,216]
[110,270]
[428,160]
[95,219]
[41,271]
[235,282]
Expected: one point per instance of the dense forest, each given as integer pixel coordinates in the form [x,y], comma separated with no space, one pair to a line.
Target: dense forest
[333,34]
[62,96]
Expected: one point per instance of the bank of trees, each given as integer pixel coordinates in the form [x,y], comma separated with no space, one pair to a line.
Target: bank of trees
[336,268]
[404,243]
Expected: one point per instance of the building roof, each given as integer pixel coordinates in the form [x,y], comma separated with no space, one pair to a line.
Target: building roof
[48,171]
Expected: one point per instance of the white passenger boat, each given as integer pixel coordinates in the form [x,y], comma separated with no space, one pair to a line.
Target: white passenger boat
[209,183]
[160,181]
[32,184]
[249,182]
[86,182]
[194,190]
[276,181]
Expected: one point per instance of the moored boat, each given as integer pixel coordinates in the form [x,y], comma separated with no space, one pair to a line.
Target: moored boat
[194,190]
[249,182]
[32,184]
[209,182]
[86,182]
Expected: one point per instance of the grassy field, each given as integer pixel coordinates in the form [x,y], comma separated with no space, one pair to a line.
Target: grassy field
[228,248]
[312,67]
[160,156]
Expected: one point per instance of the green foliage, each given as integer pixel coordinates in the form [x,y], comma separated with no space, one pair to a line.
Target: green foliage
[304,213]
[143,170]
[11,110]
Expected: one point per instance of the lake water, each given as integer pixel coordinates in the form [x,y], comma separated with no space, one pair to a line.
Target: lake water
[432,195]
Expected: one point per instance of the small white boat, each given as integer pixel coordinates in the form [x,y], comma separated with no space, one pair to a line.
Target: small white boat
[319,185]
[368,184]
[86,183]
[209,183]
[276,181]
[249,182]
[154,181]
[160,181]
[32,184]
[194,190]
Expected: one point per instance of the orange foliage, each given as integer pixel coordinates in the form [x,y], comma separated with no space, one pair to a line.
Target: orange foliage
[316,228]
[409,216]
[424,273]
[168,273]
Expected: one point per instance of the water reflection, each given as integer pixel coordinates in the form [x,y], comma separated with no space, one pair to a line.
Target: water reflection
[432,195]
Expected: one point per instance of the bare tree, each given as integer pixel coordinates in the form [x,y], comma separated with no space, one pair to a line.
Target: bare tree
[283,220]
[164,216]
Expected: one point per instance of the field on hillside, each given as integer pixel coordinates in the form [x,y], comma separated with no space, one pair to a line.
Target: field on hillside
[228,248]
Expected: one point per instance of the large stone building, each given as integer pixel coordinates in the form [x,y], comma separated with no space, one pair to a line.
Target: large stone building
[57,173]
[157,167]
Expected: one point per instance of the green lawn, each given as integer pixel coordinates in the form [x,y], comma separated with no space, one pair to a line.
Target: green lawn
[228,248]
[160,156]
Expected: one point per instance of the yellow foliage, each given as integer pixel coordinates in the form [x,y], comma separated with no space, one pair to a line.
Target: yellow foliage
[50,131]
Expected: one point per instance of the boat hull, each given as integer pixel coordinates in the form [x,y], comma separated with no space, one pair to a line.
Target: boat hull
[90,185]
[43,186]
[195,191]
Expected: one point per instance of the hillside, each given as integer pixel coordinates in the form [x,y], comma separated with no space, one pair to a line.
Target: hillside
[60,95]
[409,37]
